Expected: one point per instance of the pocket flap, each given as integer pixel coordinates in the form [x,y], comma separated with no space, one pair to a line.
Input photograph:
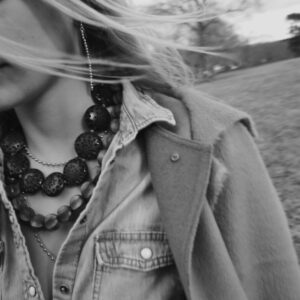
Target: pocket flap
[142,250]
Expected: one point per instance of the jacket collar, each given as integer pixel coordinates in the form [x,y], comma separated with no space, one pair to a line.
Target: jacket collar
[180,172]
[180,161]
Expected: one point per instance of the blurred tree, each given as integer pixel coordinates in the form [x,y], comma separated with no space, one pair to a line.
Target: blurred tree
[214,30]
[295,31]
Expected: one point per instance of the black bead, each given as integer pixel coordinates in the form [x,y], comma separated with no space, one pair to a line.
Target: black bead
[31,181]
[19,202]
[88,145]
[97,118]
[13,143]
[26,213]
[54,184]
[16,165]
[13,190]
[10,180]
[75,172]
[103,94]
[118,98]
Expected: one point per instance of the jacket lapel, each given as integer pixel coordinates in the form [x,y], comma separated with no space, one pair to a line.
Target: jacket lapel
[180,171]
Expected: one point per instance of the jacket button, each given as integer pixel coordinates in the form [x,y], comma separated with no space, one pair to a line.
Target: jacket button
[32,291]
[64,289]
[146,253]
[175,157]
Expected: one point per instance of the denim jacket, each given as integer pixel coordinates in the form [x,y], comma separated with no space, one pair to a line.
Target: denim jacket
[221,231]
[118,249]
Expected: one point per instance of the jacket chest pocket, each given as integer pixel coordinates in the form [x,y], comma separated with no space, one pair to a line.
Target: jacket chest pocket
[133,265]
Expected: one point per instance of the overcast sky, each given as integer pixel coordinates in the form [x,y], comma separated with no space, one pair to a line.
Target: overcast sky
[265,25]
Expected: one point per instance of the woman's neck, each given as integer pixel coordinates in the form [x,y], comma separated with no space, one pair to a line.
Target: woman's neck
[52,122]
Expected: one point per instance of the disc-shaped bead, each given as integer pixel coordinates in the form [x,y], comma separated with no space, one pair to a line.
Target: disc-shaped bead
[115,111]
[87,190]
[114,125]
[100,157]
[37,221]
[17,165]
[13,143]
[32,180]
[64,213]
[26,213]
[97,118]
[51,222]
[77,205]
[103,94]
[18,202]
[13,190]
[107,139]
[54,184]
[88,145]
[76,202]
[75,172]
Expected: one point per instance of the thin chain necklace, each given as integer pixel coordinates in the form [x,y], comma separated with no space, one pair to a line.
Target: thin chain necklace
[43,246]
[36,235]
[41,162]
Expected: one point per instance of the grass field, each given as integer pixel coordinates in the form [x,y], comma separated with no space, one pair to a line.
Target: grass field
[271,95]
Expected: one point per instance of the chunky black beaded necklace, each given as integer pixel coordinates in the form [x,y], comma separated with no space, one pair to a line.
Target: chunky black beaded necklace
[21,180]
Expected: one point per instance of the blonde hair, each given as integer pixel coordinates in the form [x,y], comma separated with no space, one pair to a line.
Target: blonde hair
[123,42]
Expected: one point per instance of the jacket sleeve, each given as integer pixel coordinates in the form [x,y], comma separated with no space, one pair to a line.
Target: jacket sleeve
[252,222]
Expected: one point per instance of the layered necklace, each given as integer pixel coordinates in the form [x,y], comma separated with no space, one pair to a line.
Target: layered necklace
[101,122]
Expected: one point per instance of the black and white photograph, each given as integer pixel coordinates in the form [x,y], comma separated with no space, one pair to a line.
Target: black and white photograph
[149,149]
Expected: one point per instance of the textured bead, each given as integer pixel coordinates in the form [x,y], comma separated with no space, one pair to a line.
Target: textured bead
[87,190]
[64,213]
[13,143]
[103,94]
[17,165]
[97,118]
[54,184]
[26,213]
[19,202]
[13,190]
[114,125]
[51,222]
[76,202]
[37,221]
[88,145]
[32,180]
[75,172]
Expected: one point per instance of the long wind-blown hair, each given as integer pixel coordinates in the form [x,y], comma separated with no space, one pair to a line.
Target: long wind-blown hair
[123,43]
